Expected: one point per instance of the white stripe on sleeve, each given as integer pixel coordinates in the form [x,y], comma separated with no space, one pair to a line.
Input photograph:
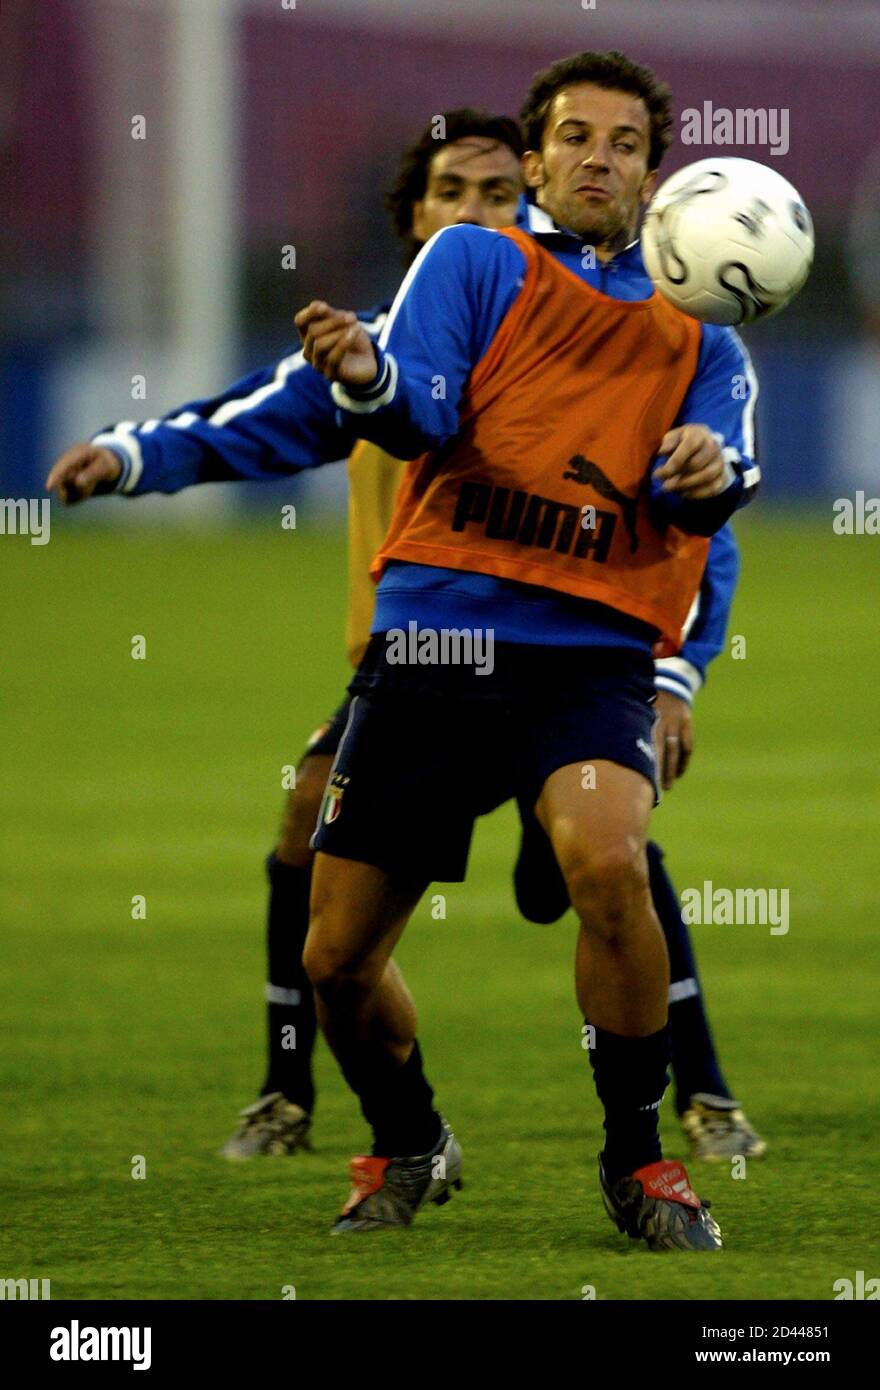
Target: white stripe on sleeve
[125,436]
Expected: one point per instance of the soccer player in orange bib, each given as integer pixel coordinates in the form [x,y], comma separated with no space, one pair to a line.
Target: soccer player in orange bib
[575,441]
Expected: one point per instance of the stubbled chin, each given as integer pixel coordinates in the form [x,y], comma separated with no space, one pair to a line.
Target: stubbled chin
[594,233]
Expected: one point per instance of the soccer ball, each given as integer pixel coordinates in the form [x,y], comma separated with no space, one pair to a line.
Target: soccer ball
[727,241]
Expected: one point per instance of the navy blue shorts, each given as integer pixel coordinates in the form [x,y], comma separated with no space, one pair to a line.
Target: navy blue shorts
[325,740]
[426,751]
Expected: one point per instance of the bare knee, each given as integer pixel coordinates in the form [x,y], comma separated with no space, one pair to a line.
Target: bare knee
[608,887]
[301,811]
[337,969]
[330,972]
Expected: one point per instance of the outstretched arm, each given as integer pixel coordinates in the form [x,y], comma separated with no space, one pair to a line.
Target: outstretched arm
[275,421]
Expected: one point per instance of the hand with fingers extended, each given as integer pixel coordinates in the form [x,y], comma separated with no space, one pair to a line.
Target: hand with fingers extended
[82,471]
[695,467]
[336,344]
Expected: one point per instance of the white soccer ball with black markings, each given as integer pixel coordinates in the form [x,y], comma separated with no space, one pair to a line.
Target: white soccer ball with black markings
[728,241]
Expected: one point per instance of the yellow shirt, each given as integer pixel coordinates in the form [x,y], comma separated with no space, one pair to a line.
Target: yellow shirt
[374,479]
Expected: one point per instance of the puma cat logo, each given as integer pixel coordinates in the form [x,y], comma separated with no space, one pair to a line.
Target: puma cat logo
[584,471]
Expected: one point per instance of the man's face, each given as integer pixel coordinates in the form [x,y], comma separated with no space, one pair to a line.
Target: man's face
[475,179]
[592,172]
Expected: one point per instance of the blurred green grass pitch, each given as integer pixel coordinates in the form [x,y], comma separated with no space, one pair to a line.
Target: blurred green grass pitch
[163,778]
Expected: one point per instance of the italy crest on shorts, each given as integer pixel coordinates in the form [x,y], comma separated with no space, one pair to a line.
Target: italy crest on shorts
[332,804]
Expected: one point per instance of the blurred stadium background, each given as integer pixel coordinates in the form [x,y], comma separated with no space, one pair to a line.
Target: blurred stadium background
[266,127]
[272,124]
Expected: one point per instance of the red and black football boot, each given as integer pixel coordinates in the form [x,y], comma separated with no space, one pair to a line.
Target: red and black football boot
[389,1191]
[656,1204]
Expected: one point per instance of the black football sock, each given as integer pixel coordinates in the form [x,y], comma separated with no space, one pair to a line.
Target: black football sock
[695,1064]
[396,1101]
[630,1076]
[290,1002]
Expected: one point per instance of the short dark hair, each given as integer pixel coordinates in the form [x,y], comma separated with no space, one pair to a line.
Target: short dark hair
[411,182]
[613,70]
